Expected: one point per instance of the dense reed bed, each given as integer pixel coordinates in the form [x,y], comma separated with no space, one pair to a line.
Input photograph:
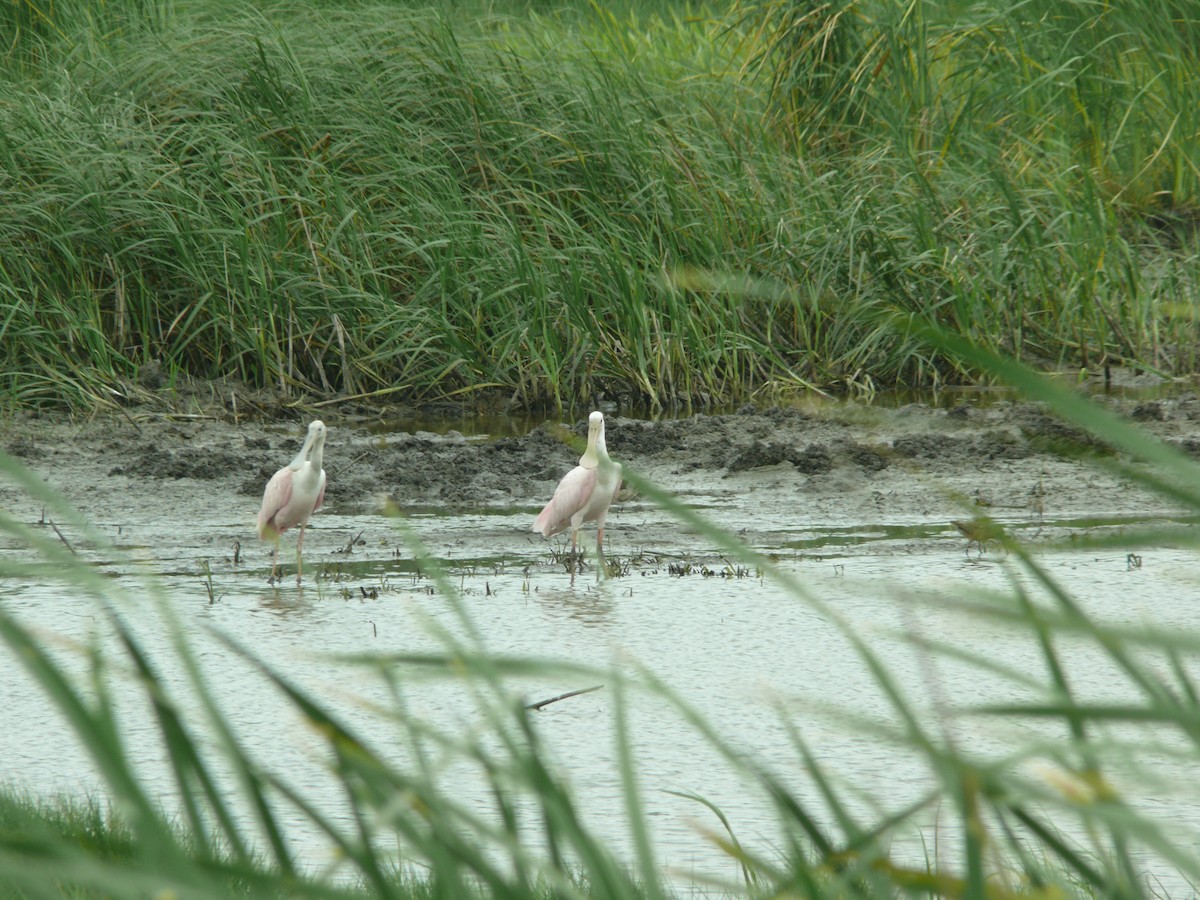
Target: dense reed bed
[669,205]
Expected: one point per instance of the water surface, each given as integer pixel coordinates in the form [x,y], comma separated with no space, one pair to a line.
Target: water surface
[761,664]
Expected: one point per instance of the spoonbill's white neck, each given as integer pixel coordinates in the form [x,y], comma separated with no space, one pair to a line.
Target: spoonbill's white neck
[596,451]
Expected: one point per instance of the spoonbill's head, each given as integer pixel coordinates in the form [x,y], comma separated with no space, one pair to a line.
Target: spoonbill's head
[316,433]
[590,458]
[314,438]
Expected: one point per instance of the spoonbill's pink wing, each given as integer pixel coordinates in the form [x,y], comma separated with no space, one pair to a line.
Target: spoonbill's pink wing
[570,497]
[275,498]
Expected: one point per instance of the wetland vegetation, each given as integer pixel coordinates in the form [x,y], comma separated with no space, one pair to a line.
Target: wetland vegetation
[552,202]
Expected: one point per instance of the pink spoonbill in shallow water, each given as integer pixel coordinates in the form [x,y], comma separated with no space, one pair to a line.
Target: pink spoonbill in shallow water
[584,494]
[293,494]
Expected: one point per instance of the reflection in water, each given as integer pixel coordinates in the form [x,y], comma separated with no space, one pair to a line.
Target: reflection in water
[588,604]
[287,603]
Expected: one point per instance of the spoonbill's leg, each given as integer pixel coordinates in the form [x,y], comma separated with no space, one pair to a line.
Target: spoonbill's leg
[299,559]
[603,566]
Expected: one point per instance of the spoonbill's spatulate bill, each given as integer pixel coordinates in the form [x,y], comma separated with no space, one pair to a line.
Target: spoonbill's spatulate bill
[293,494]
[584,494]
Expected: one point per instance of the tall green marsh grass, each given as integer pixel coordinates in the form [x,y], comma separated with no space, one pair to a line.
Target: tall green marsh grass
[350,200]
[34,34]
[1042,160]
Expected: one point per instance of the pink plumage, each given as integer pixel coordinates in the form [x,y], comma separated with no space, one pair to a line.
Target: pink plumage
[575,495]
[585,493]
[292,495]
[278,513]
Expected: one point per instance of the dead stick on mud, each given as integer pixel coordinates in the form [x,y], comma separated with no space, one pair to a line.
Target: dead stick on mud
[66,543]
[136,426]
[537,706]
[178,416]
[368,394]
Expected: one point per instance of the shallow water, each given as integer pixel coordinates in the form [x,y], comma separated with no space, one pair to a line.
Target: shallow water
[736,648]
[753,658]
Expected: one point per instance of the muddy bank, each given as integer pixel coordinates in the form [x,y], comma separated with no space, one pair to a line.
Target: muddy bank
[853,460]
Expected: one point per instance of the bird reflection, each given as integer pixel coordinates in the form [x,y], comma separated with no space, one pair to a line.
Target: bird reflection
[592,605]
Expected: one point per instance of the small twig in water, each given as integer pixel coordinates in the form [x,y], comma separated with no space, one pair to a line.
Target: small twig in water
[537,706]
[66,543]
[349,548]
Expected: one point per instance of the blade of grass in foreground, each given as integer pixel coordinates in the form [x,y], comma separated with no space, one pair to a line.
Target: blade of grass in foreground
[96,727]
[429,822]
[158,855]
[195,786]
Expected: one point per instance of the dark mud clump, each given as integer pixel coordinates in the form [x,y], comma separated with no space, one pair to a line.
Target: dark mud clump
[812,460]
[461,471]
[867,458]
[23,448]
[759,454]
[1053,435]
[992,444]
[931,446]
[205,465]
[999,443]
[1152,411]
[697,442]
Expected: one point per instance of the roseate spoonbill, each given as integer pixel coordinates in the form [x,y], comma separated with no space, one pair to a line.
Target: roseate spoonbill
[293,494]
[585,492]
